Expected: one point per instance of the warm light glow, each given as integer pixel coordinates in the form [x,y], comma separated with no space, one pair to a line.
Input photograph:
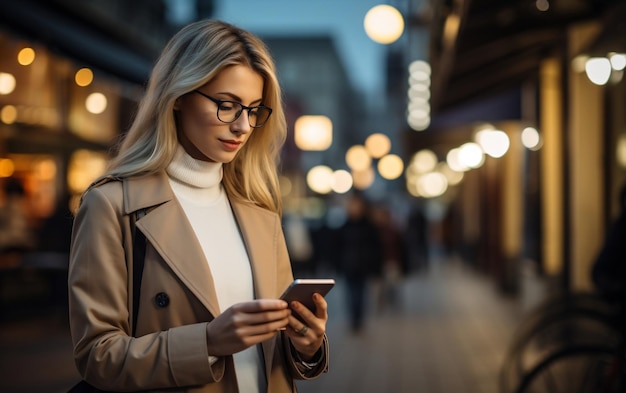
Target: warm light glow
[542,5]
[378,145]
[598,70]
[620,151]
[7,167]
[8,114]
[319,179]
[363,179]
[7,83]
[618,61]
[493,142]
[45,169]
[313,133]
[418,108]
[96,103]
[390,167]
[451,29]
[454,161]
[471,155]
[26,56]
[432,184]
[341,181]
[417,121]
[84,167]
[578,63]
[358,158]
[383,24]
[423,161]
[83,77]
[531,138]
[420,70]
[453,177]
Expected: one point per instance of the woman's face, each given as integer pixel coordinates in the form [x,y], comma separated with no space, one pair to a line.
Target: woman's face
[200,132]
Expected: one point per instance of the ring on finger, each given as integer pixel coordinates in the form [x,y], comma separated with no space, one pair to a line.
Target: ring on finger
[303,330]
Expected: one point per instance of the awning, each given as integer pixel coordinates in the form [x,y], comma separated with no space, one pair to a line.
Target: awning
[482,47]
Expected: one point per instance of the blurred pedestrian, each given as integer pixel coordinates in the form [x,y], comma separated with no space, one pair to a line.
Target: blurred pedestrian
[200,160]
[359,256]
[394,261]
[417,239]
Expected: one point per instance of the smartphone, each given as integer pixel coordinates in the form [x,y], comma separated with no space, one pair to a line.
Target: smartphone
[302,290]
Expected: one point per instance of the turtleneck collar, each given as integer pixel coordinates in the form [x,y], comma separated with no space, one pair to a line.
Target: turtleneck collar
[194,179]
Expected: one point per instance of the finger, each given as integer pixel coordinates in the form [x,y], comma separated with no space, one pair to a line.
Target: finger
[265,328]
[321,309]
[302,310]
[243,320]
[261,305]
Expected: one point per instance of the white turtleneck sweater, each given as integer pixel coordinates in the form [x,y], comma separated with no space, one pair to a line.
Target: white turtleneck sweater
[198,186]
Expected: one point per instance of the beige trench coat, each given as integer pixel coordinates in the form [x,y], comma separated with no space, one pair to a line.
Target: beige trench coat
[170,347]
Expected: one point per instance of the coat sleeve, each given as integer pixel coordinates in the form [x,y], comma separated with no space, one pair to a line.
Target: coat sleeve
[285,277]
[105,353]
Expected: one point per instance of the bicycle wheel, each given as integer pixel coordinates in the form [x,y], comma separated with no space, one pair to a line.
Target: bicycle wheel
[577,369]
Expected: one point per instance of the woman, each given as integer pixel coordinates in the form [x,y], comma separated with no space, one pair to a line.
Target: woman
[200,160]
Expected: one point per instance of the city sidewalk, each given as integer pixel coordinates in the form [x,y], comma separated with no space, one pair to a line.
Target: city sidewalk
[449,333]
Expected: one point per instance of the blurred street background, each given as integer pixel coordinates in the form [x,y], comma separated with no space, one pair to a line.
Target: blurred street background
[487,139]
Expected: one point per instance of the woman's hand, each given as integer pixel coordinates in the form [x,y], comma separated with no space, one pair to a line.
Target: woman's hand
[307,336]
[245,324]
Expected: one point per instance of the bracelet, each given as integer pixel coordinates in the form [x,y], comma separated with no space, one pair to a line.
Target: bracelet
[308,365]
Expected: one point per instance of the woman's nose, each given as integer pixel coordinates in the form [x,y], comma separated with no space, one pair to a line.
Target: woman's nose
[242,124]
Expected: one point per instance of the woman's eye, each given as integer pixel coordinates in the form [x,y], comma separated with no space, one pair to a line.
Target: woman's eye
[227,106]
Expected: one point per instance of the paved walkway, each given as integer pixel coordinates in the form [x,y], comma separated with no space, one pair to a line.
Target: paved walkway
[449,334]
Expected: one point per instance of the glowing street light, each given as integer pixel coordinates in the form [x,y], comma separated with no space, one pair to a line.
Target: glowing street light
[313,133]
[383,24]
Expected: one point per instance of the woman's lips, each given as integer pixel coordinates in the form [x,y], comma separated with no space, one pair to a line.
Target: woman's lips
[230,145]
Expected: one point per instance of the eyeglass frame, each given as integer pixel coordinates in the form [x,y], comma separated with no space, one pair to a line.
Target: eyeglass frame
[238,115]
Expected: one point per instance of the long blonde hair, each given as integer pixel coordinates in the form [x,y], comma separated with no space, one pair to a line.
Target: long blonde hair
[192,58]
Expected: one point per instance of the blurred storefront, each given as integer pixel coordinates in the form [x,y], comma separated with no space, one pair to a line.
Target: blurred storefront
[70,77]
[513,67]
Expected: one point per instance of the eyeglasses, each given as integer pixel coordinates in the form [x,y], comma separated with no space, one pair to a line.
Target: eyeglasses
[229,111]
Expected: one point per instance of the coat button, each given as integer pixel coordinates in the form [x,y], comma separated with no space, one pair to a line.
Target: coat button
[162,299]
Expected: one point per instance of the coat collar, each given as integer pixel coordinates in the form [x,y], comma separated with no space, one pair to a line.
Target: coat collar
[170,233]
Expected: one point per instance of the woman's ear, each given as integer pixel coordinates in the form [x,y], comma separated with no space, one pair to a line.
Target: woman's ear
[177,104]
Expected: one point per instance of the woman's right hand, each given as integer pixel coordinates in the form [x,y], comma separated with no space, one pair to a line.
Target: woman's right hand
[245,324]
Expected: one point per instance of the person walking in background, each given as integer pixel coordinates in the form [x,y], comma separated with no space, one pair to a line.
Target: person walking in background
[393,256]
[200,160]
[359,256]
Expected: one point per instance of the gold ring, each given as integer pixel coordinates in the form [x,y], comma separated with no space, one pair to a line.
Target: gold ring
[303,331]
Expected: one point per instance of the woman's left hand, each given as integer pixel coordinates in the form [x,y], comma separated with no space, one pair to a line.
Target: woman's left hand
[307,336]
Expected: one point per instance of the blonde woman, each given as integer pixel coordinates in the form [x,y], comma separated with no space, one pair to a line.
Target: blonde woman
[200,160]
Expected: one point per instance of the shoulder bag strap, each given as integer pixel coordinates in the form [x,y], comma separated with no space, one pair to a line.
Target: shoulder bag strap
[139,254]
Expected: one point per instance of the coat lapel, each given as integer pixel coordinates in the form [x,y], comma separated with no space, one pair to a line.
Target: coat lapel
[170,233]
[173,238]
[256,226]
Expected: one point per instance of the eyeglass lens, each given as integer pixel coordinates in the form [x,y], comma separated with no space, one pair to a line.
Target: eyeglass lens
[229,111]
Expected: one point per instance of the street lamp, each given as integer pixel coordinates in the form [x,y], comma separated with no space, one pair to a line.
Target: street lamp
[383,24]
[313,133]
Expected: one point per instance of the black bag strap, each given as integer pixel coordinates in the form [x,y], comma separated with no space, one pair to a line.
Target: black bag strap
[139,255]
